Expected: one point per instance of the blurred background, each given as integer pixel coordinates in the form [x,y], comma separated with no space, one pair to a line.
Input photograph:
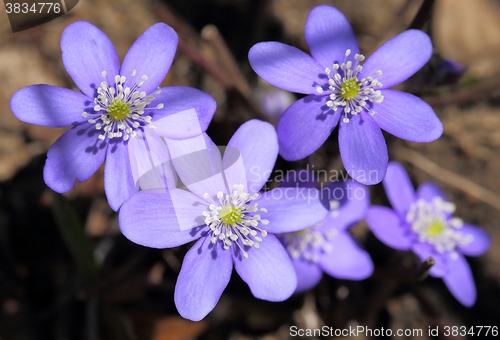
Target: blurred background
[66,272]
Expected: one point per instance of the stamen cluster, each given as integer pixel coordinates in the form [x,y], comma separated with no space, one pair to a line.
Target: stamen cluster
[119,110]
[348,91]
[307,242]
[431,222]
[231,219]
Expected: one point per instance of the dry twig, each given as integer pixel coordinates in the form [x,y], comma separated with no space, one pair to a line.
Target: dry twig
[449,177]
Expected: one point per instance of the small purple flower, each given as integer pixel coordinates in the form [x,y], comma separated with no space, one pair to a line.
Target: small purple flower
[115,104]
[340,88]
[448,72]
[423,222]
[328,246]
[234,223]
[274,101]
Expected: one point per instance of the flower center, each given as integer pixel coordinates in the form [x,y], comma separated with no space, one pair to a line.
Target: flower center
[231,215]
[435,228]
[119,111]
[347,90]
[433,224]
[309,243]
[350,89]
[232,220]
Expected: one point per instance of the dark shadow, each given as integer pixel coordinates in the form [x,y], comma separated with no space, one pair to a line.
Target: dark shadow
[89,130]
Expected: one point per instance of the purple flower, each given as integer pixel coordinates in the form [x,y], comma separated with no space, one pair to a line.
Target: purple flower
[423,222]
[274,101]
[328,246]
[234,223]
[115,104]
[340,88]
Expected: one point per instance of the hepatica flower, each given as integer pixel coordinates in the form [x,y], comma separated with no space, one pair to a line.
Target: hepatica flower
[235,224]
[115,104]
[423,221]
[343,89]
[328,246]
[274,101]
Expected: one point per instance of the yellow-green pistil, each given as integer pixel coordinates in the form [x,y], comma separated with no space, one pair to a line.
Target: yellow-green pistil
[231,215]
[301,232]
[431,221]
[436,228]
[118,109]
[350,88]
[232,220]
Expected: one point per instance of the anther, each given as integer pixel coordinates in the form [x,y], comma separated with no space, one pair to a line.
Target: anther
[118,109]
[349,91]
[230,221]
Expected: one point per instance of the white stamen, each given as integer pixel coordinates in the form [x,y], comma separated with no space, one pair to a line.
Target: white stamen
[133,102]
[431,222]
[341,82]
[231,220]
[309,243]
